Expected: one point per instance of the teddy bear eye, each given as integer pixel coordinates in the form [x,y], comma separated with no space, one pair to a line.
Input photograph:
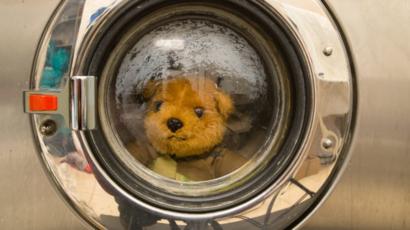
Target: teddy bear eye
[199,111]
[157,105]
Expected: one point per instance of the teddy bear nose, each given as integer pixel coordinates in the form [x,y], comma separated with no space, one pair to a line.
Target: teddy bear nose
[174,124]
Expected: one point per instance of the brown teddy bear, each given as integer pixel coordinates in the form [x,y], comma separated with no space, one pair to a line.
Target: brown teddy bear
[185,121]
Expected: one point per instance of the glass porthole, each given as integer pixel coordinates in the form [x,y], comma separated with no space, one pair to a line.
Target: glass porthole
[191,101]
[199,105]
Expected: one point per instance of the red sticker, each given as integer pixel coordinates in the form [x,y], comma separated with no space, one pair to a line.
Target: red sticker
[41,102]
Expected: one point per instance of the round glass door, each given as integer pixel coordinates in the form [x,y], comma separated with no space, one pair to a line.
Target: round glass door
[191,102]
[201,108]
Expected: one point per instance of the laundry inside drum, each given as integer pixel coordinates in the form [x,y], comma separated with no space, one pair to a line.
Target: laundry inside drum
[191,101]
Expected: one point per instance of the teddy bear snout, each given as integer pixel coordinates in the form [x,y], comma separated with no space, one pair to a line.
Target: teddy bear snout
[174,124]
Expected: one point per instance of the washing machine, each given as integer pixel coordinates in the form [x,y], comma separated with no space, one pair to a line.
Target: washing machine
[204,114]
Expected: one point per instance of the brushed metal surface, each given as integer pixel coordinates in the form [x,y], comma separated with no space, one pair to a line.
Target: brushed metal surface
[374,193]
[27,198]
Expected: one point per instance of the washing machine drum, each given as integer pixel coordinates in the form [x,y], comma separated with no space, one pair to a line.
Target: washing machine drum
[186,112]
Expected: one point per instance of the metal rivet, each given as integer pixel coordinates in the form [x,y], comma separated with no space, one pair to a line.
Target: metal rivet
[328,51]
[48,127]
[327,143]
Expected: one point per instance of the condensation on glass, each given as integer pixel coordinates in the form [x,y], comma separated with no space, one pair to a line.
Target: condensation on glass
[191,101]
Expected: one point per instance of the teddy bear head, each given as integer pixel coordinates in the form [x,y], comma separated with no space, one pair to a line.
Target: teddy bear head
[185,116]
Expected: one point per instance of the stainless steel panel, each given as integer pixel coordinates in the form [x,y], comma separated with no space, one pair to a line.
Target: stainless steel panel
[374,193]
[27,198]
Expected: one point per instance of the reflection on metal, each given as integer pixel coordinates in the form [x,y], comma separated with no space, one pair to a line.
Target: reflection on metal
[83,103]
[276,207]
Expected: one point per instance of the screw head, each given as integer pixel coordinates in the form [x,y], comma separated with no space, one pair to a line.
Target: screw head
[328,51]
[327,143]
[48,127]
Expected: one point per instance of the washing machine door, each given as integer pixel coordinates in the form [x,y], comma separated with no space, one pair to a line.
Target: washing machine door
[192,114]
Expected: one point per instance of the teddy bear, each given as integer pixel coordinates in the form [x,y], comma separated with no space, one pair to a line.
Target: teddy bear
[185,123]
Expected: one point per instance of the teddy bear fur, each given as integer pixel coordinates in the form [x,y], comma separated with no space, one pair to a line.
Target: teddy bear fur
[192,152]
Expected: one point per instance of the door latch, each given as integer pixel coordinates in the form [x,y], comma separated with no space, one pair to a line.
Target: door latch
[76,102]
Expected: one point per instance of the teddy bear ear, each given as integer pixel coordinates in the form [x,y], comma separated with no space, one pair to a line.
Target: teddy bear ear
[150,89]
[224,104]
